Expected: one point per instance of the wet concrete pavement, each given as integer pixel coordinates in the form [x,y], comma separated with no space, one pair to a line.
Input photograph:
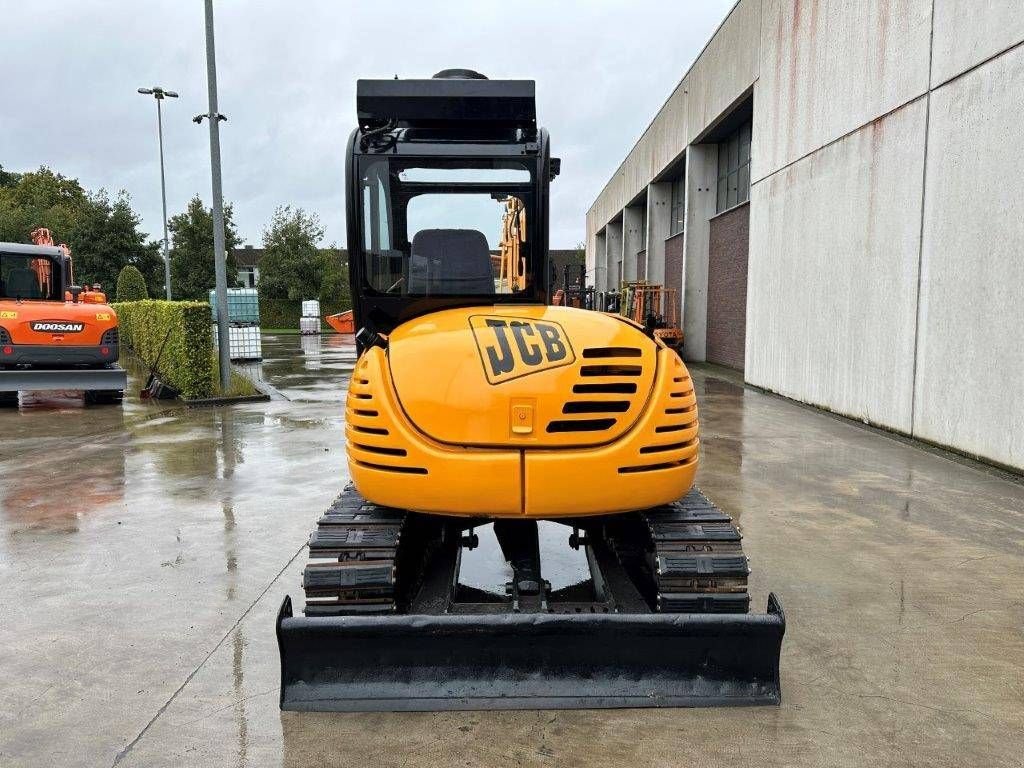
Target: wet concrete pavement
[144,552]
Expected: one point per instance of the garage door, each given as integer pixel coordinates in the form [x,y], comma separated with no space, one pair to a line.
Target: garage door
[727,287]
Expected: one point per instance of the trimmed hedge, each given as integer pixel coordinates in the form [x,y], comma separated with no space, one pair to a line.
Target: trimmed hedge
[187,362]
[131,285]
[285,313]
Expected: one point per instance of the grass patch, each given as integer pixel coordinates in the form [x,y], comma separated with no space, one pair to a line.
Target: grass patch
[240,385]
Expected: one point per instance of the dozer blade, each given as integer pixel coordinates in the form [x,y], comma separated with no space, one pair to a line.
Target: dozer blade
[528,661]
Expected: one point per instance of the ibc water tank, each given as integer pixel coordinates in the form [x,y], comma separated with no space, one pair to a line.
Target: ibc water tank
[311,308]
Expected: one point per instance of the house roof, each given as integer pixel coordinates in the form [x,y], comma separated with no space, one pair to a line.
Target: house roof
[247,256]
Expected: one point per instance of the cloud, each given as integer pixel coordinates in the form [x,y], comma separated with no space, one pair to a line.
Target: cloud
[287,75]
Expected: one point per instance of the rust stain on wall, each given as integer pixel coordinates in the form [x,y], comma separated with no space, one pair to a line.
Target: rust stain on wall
[794,45]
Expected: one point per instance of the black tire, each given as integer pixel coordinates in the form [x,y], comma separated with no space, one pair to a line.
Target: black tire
[8,399]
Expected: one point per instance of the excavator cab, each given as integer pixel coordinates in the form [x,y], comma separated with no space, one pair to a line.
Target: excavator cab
[447,198]
[475,403]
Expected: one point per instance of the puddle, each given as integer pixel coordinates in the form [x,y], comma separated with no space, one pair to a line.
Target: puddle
[485,567]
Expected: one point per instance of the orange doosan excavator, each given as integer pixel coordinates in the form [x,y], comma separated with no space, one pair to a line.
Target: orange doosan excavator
[54,335]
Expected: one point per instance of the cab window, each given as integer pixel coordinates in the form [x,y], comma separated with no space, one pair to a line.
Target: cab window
[447,227]
[28,278]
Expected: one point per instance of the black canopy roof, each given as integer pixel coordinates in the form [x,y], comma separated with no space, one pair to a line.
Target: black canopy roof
[408,103]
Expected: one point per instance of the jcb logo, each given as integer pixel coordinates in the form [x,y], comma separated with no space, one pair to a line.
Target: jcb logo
[511,347]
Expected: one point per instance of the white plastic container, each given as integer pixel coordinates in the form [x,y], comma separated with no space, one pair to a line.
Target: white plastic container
[309,326]
[311,308]
[244,342]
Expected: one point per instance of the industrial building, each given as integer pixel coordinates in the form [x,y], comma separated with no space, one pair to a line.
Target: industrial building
[832,188]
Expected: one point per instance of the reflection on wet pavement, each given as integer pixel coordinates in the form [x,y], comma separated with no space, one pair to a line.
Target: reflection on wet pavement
[485,568]
[132,538]
[144,552]
[313,374]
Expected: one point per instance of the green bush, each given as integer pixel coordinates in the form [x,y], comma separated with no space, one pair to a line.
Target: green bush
[187,362]
[285,313]
[131,285]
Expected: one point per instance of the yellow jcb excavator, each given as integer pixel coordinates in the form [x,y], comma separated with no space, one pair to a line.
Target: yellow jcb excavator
[475,403]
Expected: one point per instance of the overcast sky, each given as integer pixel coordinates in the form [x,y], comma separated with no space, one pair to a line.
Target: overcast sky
[287,73]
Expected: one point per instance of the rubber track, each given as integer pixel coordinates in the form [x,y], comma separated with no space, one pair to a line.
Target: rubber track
[695,556]
[351,568]
[692,550]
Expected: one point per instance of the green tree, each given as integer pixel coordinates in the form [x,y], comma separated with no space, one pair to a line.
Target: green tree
[106,239]
[8,178]
[103,236]
[292,266]
[131,285]
[40,199]
[579,254]
[334,286]
[192,268]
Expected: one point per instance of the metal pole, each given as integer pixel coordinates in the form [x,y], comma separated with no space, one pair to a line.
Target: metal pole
[163,195]
[219,257]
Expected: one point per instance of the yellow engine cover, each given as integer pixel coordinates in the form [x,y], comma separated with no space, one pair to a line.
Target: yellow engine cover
[521,376]
[521,410]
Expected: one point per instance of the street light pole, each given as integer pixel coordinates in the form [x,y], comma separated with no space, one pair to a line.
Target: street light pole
[159,94]
[219,256]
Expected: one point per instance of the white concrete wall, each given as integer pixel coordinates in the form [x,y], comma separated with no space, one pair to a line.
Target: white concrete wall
[967,32]
[659,208]
[633,224]
[597,267]
[725,69]
[970,366]
[613,246]
[701,175]
[832,273]
[886,276]
[594,255]
[831,66]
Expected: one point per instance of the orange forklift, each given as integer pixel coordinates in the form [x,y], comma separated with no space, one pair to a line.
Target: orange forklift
[54,335]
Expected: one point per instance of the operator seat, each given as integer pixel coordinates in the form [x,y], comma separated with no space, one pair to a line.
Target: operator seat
[23,284]
[450,261]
